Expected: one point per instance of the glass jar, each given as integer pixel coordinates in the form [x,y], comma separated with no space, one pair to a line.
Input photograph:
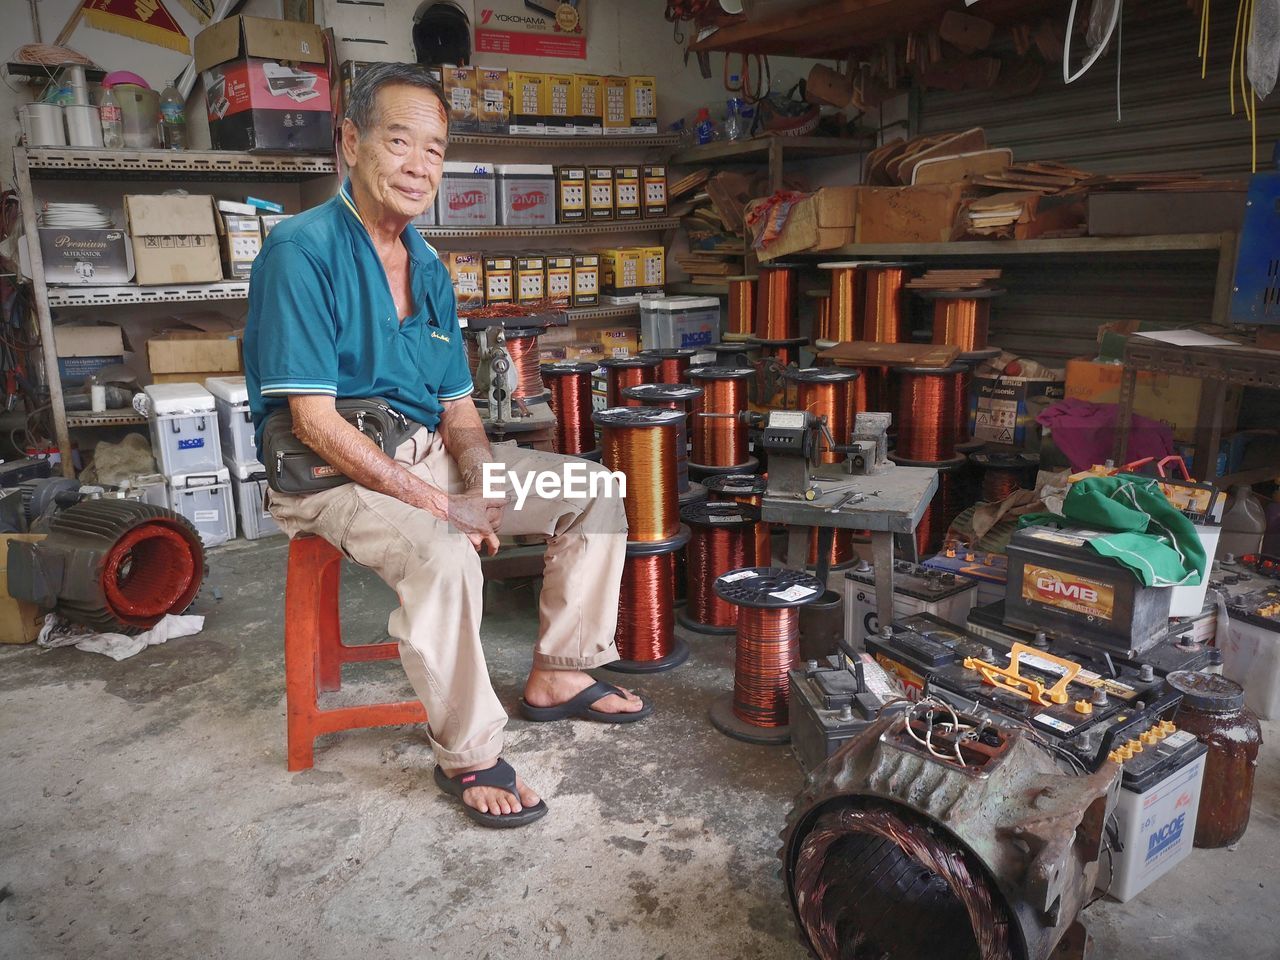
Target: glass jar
[1213,710]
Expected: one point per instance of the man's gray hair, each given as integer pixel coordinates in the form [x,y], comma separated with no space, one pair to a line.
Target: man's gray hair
[362,109]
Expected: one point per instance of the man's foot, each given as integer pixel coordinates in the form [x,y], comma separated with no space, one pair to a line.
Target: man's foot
[498,798]
[566,694]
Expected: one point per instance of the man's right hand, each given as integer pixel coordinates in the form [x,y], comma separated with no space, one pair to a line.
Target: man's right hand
[478,517]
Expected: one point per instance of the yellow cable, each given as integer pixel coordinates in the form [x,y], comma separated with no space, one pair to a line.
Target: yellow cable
[1235,50]
[1204,39]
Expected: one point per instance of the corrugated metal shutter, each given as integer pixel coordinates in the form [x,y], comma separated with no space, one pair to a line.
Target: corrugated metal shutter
[1172,121]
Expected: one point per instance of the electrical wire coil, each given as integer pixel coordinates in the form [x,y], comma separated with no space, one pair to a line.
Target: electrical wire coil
[570,385]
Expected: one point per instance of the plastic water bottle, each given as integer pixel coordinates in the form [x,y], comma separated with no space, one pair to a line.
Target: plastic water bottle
[704,127]
[112,121]
[173,120]
[733,127]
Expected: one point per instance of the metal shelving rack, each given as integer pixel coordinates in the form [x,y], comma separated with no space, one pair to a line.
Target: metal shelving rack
[38,164]
[557,230]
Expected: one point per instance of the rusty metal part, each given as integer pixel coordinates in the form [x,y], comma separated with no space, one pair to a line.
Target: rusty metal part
[1012,818]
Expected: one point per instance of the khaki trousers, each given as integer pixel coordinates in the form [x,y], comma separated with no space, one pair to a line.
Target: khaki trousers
[435,572]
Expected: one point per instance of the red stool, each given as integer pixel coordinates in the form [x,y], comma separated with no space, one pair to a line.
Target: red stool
[314,654]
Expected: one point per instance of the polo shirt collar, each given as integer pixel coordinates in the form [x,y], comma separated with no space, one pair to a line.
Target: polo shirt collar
[419,250]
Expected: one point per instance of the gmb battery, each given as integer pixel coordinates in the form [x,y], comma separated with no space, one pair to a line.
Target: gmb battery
[833,700]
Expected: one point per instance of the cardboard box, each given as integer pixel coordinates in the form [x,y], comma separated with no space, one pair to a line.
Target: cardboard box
[241,241]
[530,278]
[271,220]
[466,270]
[822,221]
[461,92]
[584,350]
[600,193]
[642,105]
[626,193]
[588,105]
[560,278]
[499,279]
[84,350]
[653,193]
[586,279]
[653,271]
[1172,400]
[924,214]
[266,85]
[616,118]
[175,239]
[560,116]
[999,408]
[493,99]
[571,194]
[89,256]
[202,345]
[617,341]
[530,102]
[20,620]
[621,270]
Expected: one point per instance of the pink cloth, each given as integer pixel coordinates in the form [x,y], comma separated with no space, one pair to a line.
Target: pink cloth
[1085,433]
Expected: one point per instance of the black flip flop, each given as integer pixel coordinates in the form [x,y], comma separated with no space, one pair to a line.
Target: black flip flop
[502,775]
[579,708]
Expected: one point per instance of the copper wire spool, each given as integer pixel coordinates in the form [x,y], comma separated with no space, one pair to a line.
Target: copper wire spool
[775,303]
[570,385]
[828,392]
[527,368]
[942,510]
[748,489]
[927,404]
[821,302]
[742,306]
[722,539]
[883,318]
[961,388]
[671,396]
[640,442]
[724,388]
[718,440]
[1002,474]
[623,372]
[962,322]
[646,609]
[842,549]
[998,484]
[673,364]
[845,300]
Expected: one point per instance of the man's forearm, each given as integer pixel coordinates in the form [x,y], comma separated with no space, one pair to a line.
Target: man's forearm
[360,460]
[464,438]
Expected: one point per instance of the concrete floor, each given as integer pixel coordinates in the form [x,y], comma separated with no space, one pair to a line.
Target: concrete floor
[145,812]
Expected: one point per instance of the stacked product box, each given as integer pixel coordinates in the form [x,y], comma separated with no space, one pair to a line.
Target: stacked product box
[239,455]
[468,195]
[186,444]
[526,194]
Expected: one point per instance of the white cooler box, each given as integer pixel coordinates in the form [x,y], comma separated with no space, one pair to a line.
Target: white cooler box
[205,500]
[683,322]
[249,490]
[235,425]
[184,429]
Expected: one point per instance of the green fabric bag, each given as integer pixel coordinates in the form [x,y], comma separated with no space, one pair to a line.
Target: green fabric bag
[1151,536]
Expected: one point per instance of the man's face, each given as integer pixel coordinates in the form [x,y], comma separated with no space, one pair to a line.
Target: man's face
[399,159]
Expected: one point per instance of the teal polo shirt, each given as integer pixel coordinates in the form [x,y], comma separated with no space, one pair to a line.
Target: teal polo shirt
[322,320]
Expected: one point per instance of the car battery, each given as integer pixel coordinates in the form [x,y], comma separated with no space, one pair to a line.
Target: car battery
[1156,812]
[586,279]
[916,589]
[1058,584]
[1181,649]
[653,196]
[1251,647]
[1097,713]
[626,193]
[834,700]
[499,279]
[560,278]
[526,194]
[991,570]
[468,195]
[531,278]
[599,193]
[571,194]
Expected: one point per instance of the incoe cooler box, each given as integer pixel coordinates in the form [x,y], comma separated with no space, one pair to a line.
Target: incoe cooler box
[679,322]
[184,429]
[249,491]
[235,423]
[205,499]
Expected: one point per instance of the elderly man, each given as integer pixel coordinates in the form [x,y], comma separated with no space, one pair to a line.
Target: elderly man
[348,301]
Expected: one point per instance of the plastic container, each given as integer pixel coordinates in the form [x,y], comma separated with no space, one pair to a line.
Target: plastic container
[468,195]
[526,194]
[1243,524]
[679,322]
[704,128]
[173,120]
[235,424]
[112,122]
[733,124]
[184,429]
[1189,601]
[1213,709]
[140,113]
[249,495]
[205,500]
[1250,649]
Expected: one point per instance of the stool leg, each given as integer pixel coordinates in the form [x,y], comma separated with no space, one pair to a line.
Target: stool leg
[303,601]
[329,636]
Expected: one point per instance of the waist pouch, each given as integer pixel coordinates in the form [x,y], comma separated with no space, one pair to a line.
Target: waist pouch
[294,468]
